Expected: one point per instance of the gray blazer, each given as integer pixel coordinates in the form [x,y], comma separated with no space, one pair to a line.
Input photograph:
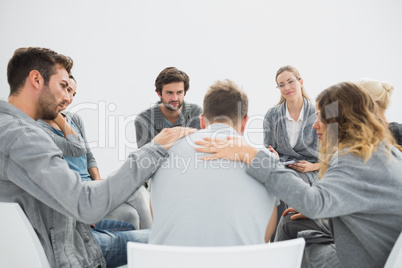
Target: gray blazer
[275,134]
[361,198]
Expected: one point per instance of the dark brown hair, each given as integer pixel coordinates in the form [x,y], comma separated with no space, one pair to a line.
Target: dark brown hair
[171,75]
[25,60]
[225,102]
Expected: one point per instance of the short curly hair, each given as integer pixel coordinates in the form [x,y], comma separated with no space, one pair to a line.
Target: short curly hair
[171,75]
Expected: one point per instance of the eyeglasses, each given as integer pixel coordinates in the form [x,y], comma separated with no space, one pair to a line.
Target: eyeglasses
[290,83]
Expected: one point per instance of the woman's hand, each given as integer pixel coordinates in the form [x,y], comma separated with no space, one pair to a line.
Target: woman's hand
[272,150]
[296,215]
[234,149]
[65,127]
[304,166]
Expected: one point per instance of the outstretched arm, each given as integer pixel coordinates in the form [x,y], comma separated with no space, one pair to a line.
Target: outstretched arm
[305,166]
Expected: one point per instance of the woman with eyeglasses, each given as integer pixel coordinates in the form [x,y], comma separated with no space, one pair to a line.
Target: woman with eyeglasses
[360,184]
[288,133]
[287,126]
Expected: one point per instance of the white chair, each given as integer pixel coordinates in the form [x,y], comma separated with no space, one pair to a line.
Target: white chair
[19,244]
[395,257]
[279,254]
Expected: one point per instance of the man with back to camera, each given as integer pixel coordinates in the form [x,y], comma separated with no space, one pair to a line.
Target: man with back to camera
[211,203]
[171,85]
[34,174]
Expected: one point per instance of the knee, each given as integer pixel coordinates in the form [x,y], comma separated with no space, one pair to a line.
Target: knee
[289,227]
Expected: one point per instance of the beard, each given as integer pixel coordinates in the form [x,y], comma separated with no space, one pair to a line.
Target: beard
[48,104]
[170,107]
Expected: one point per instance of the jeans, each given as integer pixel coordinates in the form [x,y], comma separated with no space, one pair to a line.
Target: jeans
[112,237]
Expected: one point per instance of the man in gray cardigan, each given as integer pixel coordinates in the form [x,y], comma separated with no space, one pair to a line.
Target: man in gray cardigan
[34,174]
[171,85]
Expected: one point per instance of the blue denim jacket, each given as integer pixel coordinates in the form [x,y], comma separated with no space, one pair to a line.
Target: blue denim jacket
[59,206]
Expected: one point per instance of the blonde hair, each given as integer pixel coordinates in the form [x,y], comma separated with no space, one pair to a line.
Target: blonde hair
[381,92]
[295,72]
[352,125]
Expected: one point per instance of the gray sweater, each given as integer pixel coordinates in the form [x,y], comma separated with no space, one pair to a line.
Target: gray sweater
[151,121]
[362,200]
[275,134]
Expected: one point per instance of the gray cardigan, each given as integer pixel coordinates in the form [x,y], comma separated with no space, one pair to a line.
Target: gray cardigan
[151,121]
[72,145]
[362,200]
[275,134]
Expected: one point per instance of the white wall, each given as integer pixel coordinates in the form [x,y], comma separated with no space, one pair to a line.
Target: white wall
[120,46]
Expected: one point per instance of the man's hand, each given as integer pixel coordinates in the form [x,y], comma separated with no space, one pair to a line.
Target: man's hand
[168,136]
[234,149]
[296,215]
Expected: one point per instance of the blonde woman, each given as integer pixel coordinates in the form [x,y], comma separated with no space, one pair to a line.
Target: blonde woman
[287,126]
[360,184]
[381,93]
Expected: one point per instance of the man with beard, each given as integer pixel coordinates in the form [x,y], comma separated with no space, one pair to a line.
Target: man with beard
[171,85]
[34,174]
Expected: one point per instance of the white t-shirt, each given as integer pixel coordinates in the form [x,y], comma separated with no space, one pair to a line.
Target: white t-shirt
[207,203]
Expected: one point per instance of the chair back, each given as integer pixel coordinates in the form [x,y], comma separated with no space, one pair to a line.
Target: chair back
[279,254]
[395,257]
[19,244]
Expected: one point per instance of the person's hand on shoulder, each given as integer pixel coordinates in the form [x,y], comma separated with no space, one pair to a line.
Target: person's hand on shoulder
[234,149]
[168,136]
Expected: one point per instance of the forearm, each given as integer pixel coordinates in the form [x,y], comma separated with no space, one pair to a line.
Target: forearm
[70,145]
[327,198]
[65,127]
[94,172]
[271,225]
[316,166]
[283,183]
[59,187]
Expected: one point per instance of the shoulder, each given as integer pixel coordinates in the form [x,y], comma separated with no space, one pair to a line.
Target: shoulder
[76,118]
[43,124]
[146,114]
[274,111]
[33,135]
[193,108]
